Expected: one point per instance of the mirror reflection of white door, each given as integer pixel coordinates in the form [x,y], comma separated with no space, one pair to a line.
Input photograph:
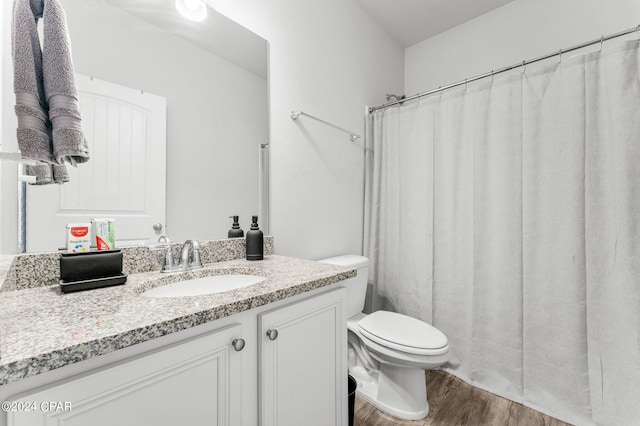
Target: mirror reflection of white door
[124,179]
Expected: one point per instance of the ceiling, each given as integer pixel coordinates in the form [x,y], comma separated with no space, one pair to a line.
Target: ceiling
[412,21]
[217,34]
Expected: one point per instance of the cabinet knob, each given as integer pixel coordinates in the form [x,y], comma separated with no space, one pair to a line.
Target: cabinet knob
[238,344]
[272,334]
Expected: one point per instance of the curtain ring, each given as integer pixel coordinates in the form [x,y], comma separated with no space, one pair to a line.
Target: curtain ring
[524,66]
[465,84]
[638,31]
[493,74]
[601,42]
[560,55]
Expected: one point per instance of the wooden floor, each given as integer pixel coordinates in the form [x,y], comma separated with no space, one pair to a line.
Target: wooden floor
[454,402]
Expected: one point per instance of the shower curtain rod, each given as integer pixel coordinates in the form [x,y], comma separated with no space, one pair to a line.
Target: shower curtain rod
[505,69]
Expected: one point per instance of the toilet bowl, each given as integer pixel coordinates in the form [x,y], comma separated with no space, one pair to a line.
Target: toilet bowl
[388,352]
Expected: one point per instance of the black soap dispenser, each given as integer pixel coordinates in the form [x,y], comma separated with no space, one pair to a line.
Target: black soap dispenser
[254,241]
[235,231]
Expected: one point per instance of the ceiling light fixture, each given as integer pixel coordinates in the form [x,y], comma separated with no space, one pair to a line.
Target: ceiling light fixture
[194,10]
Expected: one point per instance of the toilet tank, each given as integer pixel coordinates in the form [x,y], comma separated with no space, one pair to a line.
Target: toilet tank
[356,286]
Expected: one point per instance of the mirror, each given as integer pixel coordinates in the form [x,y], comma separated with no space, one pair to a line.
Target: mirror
[213,76]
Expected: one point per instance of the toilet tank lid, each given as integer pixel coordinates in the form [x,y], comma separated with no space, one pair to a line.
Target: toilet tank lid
[350,260]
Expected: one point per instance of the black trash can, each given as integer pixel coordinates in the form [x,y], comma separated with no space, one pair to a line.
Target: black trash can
[353,385]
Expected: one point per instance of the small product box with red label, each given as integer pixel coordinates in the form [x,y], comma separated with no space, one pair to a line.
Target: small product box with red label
[105,234]
[78,237]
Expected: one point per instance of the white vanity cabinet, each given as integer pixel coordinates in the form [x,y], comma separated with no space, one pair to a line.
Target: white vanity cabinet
[225,372]
[195,382]
[302,356]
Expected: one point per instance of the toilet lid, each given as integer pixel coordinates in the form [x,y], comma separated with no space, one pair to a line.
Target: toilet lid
[402,333]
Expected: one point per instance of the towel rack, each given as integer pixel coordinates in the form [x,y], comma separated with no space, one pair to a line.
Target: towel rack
[14,156]
[352,136]
[23,179]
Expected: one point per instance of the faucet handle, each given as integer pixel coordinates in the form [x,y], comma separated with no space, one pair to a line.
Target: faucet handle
[195,259]
[196,262]
[168,260]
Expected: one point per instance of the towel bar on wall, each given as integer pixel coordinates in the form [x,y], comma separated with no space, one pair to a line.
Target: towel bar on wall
[352,136]
[15,157]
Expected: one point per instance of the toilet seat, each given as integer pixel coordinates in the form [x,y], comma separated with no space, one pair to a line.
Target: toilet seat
[403,333]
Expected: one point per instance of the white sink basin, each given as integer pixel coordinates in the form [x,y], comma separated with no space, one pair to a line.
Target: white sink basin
[206,285]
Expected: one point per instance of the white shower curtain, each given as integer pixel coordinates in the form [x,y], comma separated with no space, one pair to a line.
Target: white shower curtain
[507,214]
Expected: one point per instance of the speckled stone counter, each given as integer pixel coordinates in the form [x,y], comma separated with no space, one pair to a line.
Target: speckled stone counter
[42,269]
[6,262]
[42,329]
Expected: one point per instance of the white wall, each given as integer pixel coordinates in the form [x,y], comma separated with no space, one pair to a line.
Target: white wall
[329,59]
[523,29]
[2,82]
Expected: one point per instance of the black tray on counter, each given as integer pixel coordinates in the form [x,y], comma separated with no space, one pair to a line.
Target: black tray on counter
[71,286]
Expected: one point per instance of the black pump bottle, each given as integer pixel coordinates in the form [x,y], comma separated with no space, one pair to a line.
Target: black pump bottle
[235,231]
[255,239]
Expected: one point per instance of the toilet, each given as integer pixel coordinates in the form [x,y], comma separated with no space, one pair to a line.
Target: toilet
[388,352]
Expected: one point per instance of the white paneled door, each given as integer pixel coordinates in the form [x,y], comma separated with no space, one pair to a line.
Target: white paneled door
[124,179]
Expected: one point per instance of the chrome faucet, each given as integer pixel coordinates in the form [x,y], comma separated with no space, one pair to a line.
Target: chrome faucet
[190,256]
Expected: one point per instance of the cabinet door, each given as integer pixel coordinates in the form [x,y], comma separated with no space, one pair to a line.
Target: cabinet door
[195,382]
[303,369]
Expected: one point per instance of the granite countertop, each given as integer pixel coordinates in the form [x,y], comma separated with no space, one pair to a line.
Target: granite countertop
[5,264]
[42,329]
